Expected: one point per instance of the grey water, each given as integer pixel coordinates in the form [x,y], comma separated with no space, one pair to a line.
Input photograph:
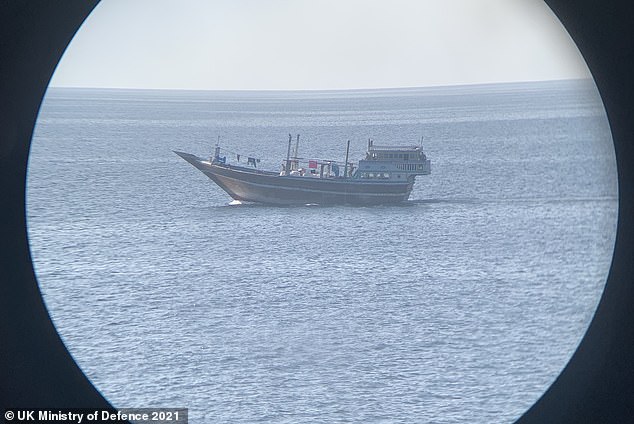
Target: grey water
[461,305]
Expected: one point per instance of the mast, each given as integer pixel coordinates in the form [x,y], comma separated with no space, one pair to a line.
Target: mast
[345,168]
[288,155]
[217,151]
[296,155]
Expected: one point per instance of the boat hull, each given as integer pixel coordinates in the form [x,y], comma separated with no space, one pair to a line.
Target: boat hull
[251,185]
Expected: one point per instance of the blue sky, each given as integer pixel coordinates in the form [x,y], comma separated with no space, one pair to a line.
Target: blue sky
[317,44]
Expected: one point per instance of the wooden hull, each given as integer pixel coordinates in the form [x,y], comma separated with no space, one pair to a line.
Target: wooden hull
[250,185]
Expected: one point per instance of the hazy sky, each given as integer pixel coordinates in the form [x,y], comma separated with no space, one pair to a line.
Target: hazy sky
[317,44]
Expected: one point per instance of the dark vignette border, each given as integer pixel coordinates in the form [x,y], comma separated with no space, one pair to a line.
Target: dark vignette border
[36,370]
[597,384]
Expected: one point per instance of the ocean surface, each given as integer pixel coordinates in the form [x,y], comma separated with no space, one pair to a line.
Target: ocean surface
[460,306]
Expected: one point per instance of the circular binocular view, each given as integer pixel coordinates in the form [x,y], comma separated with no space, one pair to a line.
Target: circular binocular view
[323,211]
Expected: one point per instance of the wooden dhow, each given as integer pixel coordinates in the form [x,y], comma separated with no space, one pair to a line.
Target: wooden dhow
[386,175]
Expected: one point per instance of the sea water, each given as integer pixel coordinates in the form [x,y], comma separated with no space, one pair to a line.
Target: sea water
[461,305]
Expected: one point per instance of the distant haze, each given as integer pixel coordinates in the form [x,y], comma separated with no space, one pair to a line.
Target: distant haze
[317,44]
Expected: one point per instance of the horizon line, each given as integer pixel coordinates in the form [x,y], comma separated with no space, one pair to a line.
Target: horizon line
[321,89]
